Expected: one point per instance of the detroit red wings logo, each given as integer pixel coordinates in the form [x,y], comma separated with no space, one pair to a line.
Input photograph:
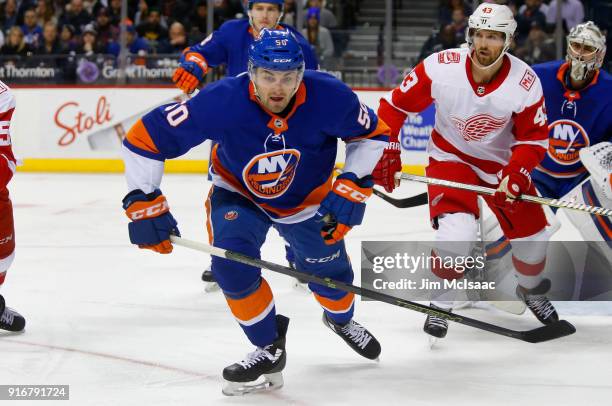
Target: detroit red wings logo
[477,127]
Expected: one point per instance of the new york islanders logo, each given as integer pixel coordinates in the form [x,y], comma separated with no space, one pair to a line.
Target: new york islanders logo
[269,175]
[477,127]
[566,138]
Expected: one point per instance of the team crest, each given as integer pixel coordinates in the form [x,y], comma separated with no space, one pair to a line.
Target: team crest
[566,138]
[270,174]
[231,215]
[477,127]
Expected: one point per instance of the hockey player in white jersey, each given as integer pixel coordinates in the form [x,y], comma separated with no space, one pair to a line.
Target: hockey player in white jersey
[491,130]
[9,319]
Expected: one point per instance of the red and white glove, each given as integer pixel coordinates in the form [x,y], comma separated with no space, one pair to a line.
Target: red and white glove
[390,162]
[514,181]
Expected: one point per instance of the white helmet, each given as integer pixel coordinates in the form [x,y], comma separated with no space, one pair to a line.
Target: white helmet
[585,34]
[493,17]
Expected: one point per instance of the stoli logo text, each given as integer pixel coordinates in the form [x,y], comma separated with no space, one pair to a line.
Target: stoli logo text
[477,127]
[74,121]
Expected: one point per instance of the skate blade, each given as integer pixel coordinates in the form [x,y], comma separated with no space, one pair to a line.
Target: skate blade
[210,287]
[432,342]
[270,382]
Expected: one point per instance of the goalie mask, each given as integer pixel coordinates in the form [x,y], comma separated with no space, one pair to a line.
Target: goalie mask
[492,17]
[586,48]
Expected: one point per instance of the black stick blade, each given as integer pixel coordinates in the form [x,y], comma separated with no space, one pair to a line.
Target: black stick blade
[552,331]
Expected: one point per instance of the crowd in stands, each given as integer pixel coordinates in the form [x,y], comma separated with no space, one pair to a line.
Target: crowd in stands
[60,27]
[534,40]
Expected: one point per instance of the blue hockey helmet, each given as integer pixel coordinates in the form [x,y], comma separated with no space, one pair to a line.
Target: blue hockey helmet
[276,50]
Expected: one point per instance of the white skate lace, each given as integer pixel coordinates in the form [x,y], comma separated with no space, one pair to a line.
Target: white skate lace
[358,334]
[541,306]
[437,321]
[7,317]
[254,357]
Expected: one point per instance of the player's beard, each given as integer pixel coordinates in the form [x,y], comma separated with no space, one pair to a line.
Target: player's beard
[485,56]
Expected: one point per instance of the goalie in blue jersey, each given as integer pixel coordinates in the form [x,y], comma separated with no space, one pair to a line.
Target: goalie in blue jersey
[277,132]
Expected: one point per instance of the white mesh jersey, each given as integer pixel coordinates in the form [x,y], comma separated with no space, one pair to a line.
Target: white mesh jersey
[482,125]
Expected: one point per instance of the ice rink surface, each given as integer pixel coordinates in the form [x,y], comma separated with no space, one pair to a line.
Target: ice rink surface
[124,326]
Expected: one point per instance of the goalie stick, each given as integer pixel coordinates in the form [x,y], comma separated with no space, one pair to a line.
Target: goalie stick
[482,190]
[548,332]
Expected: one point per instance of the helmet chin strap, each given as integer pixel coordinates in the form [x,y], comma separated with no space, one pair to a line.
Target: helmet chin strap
[487,67]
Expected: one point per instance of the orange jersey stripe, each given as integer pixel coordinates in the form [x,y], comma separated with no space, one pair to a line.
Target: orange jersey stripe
[209,228]
[254,305]
[336,306]
[139,137]
[381,129]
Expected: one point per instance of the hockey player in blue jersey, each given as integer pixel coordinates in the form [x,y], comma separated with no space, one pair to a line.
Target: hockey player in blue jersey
[277,130]
[229,45]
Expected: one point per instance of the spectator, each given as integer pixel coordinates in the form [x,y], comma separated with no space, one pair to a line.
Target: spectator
[31,30]
[459,23]
[49,45]
[327,19]
[538,47]
[525,19]
[45,12]
[76,16]
[15,43]
[543,7]
[152,30]
[89,46]
[142,13]
[135,44]
[439,41]
[1,38]
[9,15]
[445,14]
[114,10]
[290,14]
[572,13]
[318,36]
[176,42]
[107,32]
[198,21]
[67,39]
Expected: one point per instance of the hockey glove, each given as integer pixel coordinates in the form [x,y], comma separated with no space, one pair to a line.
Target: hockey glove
[344,206]
[514,181]
[190,72]
[152,222]
[390,162]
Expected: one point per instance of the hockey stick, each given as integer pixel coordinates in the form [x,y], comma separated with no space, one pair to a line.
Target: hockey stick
[552,331]
[412,201]
[482,190]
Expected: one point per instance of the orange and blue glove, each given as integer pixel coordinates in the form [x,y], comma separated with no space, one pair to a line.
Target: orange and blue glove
[190,72]
[389,163]
[344,206]
[514,181]
[152,224]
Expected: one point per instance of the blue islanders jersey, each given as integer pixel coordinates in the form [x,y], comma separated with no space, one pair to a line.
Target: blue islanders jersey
[576,119]
[230,43]
[282,164]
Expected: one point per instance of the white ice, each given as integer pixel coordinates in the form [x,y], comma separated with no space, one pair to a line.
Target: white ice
[124,326]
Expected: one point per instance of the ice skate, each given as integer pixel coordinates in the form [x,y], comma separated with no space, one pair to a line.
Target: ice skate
[356,336]
[539,305]
[435,326]
[261,370]
[210,285]
[10,320]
